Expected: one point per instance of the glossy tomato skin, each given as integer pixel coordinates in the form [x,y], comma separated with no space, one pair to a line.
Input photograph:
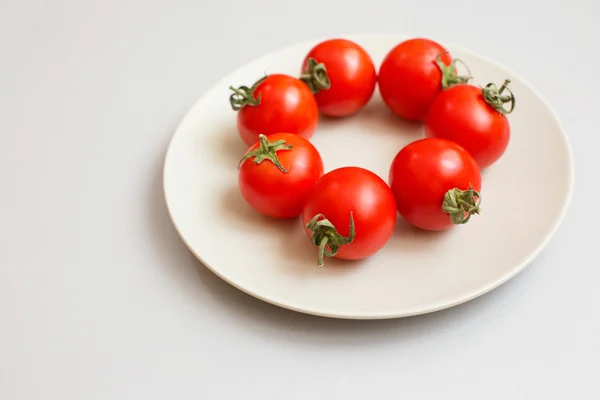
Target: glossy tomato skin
[371,201]
[286,105]
[274,193]
[421,174]
[410,79]
[462,115]
[352,75]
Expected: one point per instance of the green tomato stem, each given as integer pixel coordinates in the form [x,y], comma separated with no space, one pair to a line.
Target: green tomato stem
[244,96]
[449,76]
[324,234]
[494,97]
[267,151]
[315,76]
[461,204]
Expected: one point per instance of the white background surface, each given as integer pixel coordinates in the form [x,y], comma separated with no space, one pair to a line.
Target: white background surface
[99,298]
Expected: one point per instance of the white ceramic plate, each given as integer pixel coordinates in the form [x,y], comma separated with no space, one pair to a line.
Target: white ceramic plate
[525,195]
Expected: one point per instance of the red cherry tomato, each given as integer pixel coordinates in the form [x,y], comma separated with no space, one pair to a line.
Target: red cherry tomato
[277,103]
[474,118]
[413,74]
[276,173]
[436,184]
[350,213]
[342,76]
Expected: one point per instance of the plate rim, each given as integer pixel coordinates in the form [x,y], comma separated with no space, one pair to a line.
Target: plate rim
[383,314]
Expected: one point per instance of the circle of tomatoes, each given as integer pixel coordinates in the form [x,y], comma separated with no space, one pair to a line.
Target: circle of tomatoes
[413,74]
[474,118]
[436,184]
[342,76]
[275,103]
[276,173]
[349,213]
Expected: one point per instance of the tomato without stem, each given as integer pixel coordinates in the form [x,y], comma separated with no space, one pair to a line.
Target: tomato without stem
[350,213]
[413,74]
[276,173]
[436,184]
[474,118]
[276,103]
[342,76]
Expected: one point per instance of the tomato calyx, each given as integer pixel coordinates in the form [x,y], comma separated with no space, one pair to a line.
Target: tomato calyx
[244,96]
[324,234]
[449,76]
[267,151]
[315,76]
[458,203]
[494,97]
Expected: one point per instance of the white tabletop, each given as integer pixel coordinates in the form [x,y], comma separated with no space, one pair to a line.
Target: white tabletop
[100,299]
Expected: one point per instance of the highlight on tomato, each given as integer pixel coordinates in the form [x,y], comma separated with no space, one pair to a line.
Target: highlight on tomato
[436,184]
[342,76]
[275,103]
[414,73]
[349,213]
[475,118]
[276,173]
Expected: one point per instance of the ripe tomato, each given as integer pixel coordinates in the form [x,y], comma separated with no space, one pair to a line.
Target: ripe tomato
[435,183]
[342,76]
[350,213]
[276,103]
[474,118]
[275,174]
[413,74]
